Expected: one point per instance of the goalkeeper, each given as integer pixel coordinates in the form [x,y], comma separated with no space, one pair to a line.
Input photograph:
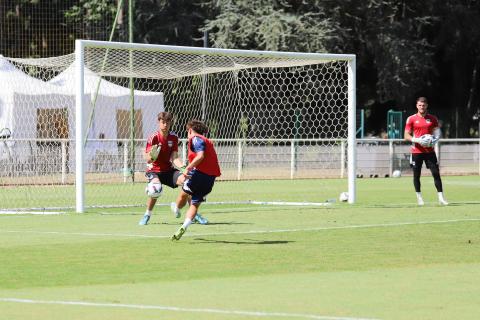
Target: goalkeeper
[423,131]
[161,154]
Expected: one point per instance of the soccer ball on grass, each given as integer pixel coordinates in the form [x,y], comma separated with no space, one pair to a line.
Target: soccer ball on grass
[343,197]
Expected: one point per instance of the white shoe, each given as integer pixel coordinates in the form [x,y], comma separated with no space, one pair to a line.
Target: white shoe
[420,202]
[443,202]
[175,210]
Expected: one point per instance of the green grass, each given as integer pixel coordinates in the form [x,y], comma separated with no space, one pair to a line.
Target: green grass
[383,258]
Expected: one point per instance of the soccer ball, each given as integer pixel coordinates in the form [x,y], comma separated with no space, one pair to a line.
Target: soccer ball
[397,174]
[153,189]
[343,197]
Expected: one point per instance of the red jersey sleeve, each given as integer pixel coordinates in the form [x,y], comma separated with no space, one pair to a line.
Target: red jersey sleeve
[152,140]
[409,124]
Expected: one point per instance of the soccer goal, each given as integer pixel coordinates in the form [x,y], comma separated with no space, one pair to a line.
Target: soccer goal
[281,122]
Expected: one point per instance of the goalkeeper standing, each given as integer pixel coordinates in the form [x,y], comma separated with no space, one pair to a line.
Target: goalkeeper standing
[161,154]
[422,130]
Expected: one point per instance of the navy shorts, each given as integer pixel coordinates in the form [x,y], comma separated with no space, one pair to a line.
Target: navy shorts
[198,186]
[168,178]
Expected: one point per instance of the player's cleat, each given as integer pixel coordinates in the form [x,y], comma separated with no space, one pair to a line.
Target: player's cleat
[175,210]
[420,201]
[144,220]
[198,218]
[443,202]
[178,235]
[441,199]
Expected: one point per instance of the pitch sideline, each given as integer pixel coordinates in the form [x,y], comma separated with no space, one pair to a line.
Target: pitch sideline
[179,309]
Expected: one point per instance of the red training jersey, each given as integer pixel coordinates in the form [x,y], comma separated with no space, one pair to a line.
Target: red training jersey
[209,165]
[169,144]
[419,126]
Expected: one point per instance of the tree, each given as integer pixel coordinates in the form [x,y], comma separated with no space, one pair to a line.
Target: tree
[270,25]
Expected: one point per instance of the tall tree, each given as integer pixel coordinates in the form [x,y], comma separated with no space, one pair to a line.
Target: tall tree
[270,25]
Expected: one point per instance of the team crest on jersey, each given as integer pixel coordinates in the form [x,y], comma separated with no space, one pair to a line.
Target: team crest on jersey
[428,120]
[170,144]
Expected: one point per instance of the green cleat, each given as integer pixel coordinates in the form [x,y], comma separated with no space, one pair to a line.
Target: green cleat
[178,235]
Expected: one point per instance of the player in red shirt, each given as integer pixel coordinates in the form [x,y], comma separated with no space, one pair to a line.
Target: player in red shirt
[201,172]
[417,126]
[161,153]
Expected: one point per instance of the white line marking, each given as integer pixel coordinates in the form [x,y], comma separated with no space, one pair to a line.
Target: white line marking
[383,225]
[179,309]
[31,212]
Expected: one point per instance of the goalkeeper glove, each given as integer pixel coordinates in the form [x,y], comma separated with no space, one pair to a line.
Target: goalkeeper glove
[154,152]
[417,140]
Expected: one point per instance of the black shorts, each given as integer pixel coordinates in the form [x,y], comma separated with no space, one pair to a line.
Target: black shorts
[168,178]
[417,159]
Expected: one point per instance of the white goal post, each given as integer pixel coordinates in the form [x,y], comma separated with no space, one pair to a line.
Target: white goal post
[318,88]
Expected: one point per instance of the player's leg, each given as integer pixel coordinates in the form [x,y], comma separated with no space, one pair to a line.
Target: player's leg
[432,163]
[152,178]
[416,162]
[191,212]
[182,201]
[197,187]
[173,179]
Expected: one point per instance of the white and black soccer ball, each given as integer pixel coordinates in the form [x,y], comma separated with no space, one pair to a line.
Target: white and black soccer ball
[153,189]
[343,197]
[397,174]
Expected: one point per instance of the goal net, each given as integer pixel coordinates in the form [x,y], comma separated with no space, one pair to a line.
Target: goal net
[279,121]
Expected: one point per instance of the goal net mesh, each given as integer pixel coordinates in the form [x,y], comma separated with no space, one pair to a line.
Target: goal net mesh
[277,122]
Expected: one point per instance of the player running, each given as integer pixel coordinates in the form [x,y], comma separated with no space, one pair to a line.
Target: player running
[201,172]
[161,153]
[422,129]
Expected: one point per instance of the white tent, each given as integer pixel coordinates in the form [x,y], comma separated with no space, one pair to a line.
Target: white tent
[112,105]
[25,103]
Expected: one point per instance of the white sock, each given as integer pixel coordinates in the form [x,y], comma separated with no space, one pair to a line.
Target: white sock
[440,196]
[186,223]
[419,195]
[148,212]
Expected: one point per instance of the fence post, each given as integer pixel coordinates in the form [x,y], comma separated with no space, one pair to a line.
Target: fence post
[240,159]
[125,161]
[292,159]
[390,153]
[184,151]
[342,159]
[64,162]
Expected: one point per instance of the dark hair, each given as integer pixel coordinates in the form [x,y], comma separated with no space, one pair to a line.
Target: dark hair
[167,116]
[422,99]
[197,126]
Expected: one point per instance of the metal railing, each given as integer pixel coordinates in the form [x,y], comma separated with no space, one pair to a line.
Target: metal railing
[240,158]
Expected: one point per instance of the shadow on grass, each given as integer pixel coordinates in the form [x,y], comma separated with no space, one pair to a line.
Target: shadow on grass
[247,241]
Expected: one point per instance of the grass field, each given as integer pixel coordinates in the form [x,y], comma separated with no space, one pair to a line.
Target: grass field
[383,258]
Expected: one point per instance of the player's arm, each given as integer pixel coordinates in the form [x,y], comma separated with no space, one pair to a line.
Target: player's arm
[196,161]
[151,153]
[177,162]
[436,133]
[408,134]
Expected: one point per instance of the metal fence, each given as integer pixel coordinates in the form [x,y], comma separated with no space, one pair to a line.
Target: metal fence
[44,161]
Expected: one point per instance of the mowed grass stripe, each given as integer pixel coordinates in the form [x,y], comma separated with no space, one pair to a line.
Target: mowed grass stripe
[112,261]
[195,234]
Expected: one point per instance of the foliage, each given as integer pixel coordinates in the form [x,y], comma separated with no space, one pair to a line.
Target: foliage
[269,25]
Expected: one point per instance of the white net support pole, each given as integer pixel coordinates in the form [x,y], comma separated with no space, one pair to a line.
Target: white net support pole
[352,131]
[79,128]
